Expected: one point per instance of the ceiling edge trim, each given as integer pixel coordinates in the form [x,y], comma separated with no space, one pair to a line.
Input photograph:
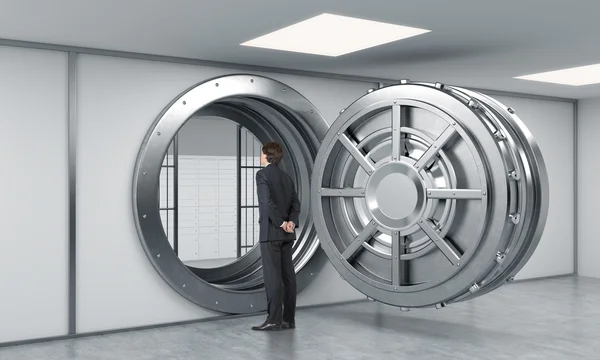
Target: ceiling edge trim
[257,68]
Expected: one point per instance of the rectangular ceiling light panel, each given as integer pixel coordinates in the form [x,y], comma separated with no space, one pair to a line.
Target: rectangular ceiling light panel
[577,76]
[333,35]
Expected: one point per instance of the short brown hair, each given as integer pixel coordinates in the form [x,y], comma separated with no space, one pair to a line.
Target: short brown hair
[274,152]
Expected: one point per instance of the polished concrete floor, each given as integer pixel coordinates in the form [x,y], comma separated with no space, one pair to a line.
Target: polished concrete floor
[548,319]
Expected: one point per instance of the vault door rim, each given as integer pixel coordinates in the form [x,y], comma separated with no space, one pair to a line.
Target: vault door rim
[154,147]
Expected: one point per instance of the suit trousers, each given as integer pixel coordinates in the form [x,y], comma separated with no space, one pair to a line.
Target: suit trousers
[280,280]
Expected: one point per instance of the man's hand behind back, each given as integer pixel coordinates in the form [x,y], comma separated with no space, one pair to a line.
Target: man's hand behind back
[290,226]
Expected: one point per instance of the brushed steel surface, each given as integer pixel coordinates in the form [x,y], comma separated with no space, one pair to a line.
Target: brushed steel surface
[395,195]
[439,202]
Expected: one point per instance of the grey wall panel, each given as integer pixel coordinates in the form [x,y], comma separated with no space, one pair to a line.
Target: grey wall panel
[589,191]
[118,99]
[208,137]
[328,95]
[117,102]
[34,194]
[328,288]
[551,124]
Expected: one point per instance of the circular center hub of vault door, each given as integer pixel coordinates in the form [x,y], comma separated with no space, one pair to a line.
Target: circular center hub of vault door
[395,195]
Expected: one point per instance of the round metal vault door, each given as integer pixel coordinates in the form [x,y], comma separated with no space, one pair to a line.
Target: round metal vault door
[425,194]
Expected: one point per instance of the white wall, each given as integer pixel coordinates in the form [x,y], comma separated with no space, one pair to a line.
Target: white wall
[133,92]
[33,194]
[588,153]
[551,123]
[118,99]
[206,136]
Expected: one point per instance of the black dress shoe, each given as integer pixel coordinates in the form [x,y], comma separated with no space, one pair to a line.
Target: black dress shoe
[288,325]
[267,327]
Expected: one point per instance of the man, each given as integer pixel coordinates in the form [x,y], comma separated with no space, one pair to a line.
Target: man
[279,209]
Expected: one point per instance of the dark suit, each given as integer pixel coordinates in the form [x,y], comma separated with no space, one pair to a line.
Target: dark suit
[277,202]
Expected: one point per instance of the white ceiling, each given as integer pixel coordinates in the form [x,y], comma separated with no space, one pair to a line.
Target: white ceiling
[476,43]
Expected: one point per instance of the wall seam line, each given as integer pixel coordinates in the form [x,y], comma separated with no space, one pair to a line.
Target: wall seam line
[576,187]
[72,184]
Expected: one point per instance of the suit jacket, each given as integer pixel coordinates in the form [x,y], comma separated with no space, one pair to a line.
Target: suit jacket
[277,202]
